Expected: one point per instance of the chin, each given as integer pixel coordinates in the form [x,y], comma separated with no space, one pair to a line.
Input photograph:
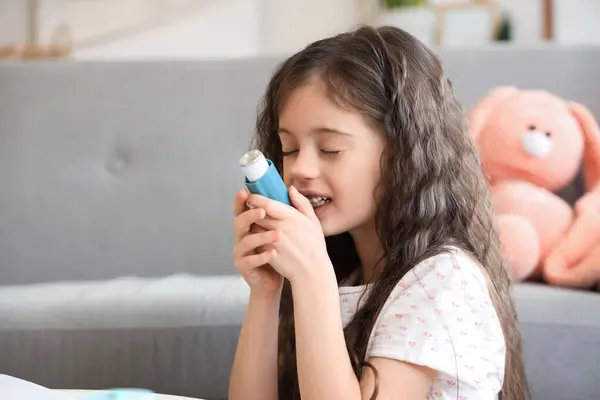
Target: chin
[335,222]
[327,231]
[333,228]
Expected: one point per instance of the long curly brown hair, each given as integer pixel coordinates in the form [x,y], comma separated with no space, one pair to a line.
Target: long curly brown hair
[433,191]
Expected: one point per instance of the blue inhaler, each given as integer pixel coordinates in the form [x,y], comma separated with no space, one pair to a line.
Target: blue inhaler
[122,394]
[263,178]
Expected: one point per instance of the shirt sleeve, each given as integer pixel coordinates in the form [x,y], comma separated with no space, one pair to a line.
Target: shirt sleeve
[441,316]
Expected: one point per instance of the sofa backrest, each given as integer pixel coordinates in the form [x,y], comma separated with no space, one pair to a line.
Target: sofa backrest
[129,168]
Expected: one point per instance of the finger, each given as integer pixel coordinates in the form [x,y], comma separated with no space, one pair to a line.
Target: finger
[257,229]
[243,222]
[302,204]
[239,202]
[275,209]
[252,242]
[267,224]
[248,263]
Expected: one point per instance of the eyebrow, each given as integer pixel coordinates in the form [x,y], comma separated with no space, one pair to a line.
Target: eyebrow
[320,129]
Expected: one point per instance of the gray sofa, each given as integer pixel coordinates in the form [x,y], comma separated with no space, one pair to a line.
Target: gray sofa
[116,183]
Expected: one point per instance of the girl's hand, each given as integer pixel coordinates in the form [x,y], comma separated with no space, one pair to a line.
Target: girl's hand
[298,237]
[253,248]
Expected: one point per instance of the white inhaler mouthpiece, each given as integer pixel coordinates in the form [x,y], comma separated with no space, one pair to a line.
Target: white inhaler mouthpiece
[254,165]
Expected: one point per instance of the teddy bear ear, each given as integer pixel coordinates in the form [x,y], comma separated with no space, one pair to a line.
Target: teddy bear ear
[480,113]
[591,138]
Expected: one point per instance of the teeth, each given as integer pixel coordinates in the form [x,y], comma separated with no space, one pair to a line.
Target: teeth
[318,201]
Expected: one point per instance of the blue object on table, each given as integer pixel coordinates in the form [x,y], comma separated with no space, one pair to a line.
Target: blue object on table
[122,394]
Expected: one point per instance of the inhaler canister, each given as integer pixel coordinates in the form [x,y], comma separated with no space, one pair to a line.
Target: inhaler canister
[263,178]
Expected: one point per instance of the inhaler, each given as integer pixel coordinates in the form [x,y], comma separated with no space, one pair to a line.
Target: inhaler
[122,394]
[263,178]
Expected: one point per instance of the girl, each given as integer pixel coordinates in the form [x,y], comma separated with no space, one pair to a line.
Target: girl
[391,224]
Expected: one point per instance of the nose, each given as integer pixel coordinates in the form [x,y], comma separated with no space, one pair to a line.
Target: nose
[305,165]
[537,144]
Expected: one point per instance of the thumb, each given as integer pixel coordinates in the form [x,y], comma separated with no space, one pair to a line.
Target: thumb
[302,204]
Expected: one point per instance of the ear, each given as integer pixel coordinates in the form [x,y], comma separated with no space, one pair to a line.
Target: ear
[591,138]
[482,110]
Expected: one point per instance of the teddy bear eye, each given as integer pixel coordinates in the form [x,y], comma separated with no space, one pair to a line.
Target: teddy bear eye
[548,134]
[532,127]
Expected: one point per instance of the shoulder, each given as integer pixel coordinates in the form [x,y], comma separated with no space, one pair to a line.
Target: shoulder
[447,284]
[452,281]
[449,271]
[441,315]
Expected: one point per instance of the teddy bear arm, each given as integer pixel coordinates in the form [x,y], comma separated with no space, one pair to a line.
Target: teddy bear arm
[589,202]
[549,215]
[576,257]
[582,274]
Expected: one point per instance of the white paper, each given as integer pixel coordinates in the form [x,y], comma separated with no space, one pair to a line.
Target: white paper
[12,388]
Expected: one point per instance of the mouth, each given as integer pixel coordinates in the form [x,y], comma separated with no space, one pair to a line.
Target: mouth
[318,201]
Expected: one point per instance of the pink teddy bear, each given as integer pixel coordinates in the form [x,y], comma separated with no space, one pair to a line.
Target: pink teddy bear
[533,143]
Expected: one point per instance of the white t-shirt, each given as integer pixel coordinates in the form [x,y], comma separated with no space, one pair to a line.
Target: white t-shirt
[440,315]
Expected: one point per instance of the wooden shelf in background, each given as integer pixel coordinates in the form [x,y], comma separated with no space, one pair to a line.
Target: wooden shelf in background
[33,52]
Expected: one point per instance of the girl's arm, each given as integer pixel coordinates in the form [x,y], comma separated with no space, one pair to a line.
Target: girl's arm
[254,371]
[324,368]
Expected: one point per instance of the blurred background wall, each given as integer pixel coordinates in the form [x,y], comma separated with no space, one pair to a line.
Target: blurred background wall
[125,29]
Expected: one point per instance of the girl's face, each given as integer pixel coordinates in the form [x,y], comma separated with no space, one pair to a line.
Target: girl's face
[332,157]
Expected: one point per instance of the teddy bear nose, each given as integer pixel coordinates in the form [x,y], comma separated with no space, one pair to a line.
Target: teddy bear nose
[536,144]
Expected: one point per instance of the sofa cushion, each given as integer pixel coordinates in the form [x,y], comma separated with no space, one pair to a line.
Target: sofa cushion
[175,334]
[561,338]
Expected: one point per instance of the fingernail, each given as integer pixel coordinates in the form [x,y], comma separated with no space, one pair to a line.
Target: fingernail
[293,188]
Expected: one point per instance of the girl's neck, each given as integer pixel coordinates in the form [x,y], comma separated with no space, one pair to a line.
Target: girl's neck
[368,248]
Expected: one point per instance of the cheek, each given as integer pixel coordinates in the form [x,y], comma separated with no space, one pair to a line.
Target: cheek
[360,180]
[285,173]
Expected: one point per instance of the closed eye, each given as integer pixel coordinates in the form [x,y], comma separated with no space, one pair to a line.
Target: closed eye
[288,153]
[326,153]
